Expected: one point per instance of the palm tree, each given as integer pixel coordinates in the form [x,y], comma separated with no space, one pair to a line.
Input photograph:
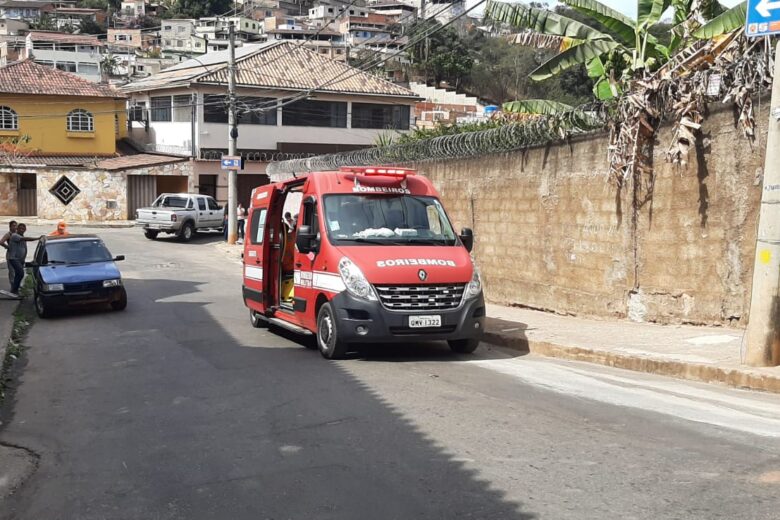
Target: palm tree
[621,48]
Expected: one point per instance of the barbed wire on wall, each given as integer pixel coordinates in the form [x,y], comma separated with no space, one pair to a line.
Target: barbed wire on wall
[535,130]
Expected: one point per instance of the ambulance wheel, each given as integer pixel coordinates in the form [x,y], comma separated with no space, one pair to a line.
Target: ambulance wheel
[463,346]
[331,347]
[256,320]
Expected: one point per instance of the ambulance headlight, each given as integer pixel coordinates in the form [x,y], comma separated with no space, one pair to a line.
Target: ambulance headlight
[474,287]
[355,281]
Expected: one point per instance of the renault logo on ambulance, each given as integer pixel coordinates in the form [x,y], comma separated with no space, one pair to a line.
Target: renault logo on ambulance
[422,275]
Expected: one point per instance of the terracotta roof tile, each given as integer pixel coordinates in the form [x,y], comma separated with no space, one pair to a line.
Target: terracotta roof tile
[274,65]
[78,39]
[27,77]
[122,162]
[137,161]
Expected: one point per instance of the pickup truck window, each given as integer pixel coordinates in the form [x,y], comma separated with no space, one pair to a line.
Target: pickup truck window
[171,202]
[257,226]
[201,204]
[213,204]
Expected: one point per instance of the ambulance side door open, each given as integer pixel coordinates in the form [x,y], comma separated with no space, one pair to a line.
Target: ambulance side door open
[253,258]
[310,242]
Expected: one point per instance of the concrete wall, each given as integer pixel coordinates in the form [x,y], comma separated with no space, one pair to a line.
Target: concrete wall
[552,233]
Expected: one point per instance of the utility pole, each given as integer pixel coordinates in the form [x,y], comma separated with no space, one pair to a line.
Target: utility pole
[763,331]
[422,9]
[232,136]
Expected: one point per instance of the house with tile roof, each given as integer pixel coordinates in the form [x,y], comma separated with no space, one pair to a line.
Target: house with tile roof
[77,53]
[55,125]
[292,102]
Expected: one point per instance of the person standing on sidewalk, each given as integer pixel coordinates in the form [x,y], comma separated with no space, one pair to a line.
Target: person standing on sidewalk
[18,252]
[241,216]
[4,243]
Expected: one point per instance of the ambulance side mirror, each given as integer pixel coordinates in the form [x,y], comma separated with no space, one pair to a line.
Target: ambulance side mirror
[304,240]
[467,237]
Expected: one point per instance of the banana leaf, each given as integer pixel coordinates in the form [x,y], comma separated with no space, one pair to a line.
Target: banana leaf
[582,53]
[710,9]
[539,20]
[729,21]
[535,106]
[650,11]
[620,26]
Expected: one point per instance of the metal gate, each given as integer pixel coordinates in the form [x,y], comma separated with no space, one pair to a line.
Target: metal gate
[141,192]
[27,195]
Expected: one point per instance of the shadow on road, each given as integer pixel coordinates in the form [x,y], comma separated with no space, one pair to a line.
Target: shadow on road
[159,411]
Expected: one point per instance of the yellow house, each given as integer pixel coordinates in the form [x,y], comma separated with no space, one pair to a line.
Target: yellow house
[45,111]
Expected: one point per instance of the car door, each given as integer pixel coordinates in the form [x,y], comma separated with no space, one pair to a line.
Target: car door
[305,292]
[202,209]
[215,213]
[261,250]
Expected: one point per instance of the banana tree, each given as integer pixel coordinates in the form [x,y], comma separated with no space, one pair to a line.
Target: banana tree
[621,48]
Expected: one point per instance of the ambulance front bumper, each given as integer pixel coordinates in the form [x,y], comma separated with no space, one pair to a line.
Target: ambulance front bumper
[361,321]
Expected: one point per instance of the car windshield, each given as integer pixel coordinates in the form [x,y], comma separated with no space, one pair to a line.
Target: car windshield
[76,252]
[380,219]
[171,202]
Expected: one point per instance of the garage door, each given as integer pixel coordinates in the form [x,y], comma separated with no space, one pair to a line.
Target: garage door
[141,191]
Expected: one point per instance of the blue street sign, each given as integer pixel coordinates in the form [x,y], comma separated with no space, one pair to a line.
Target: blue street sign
[232,162]
[763,17]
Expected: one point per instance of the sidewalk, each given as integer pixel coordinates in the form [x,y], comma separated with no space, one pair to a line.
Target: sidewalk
[35,221]
[708,354]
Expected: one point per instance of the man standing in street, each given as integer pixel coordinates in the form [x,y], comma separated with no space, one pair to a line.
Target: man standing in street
[4,243]
[241,216]
[18,254]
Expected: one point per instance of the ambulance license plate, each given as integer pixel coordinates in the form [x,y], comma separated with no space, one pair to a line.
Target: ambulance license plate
[421,322]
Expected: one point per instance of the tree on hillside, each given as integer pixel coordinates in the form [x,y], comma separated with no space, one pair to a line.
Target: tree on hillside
[198,8]
[442,56]
[88,26]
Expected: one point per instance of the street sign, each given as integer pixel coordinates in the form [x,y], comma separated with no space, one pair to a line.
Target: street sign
[232,162]
[763,17]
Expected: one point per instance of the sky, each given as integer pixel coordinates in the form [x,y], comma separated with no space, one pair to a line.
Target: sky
[625,6]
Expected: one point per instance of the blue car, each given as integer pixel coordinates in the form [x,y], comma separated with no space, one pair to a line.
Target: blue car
[75,270]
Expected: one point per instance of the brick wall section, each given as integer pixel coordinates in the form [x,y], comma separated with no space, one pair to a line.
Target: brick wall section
[552,233]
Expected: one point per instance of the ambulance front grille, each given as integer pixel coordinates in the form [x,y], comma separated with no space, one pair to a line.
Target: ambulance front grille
[420,297]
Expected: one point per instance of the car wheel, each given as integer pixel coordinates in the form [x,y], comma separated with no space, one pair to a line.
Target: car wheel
[186,233]
[256,319]
[121,303]
[41,308]
[151,234]
[331,347]
[463,346]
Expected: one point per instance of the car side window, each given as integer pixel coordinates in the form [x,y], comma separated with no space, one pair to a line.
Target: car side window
[257,226]
[201,204]
[212,204]
[189,204]
[310,215]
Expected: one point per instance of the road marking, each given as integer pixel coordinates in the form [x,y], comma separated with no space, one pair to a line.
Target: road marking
[732,409]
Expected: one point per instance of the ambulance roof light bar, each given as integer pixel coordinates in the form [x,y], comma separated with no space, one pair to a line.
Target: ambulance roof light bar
[376,170]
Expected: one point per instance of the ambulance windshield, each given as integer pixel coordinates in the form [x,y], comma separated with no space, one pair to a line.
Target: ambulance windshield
[387,219]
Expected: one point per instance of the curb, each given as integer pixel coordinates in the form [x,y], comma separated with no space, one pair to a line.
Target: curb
[734,377]
[5,338]
[103,225]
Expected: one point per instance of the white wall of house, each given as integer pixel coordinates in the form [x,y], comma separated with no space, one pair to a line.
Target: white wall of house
[87,65]
[176,136]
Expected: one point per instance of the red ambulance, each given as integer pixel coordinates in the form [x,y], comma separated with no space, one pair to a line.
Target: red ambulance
[370,258]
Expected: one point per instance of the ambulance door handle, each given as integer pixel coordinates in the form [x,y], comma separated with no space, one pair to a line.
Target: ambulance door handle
[298,264]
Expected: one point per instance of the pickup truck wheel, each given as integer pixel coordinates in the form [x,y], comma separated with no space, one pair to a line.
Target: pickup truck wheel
[256,319]
[43,310]
[186,233]
[331,347]
[151,234]
[463,346]
[121,303]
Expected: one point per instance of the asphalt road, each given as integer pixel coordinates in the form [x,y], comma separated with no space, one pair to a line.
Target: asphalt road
[178,409]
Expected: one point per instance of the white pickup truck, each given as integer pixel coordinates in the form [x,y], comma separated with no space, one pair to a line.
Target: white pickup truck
[181,214]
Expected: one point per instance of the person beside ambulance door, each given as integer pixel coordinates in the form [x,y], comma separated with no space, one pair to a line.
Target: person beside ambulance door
[61,231]
[241,216]
[18,250]
[5,244]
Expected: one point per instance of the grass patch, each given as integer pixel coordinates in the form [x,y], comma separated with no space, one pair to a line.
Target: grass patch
[23,320]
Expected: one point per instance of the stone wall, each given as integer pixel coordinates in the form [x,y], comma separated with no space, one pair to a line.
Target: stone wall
[8,205]
[103,193]
[552,233]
